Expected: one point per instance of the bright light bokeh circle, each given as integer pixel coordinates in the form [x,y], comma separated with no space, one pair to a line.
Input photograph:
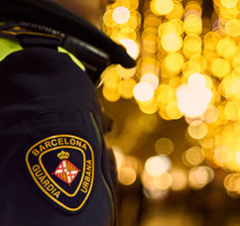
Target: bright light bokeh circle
[143,91]
[131,47]
[121,15]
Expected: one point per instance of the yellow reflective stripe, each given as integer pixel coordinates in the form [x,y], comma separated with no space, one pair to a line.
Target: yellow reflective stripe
[7,47]
[74,59]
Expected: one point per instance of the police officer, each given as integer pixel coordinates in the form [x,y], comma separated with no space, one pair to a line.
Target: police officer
[54,168]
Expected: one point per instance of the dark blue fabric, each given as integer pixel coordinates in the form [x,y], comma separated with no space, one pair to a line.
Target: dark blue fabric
[43,94]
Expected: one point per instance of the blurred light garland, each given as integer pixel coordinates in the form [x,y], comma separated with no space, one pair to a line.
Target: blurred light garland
[172,44]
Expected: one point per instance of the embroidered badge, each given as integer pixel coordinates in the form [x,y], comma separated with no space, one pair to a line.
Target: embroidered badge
[62,166]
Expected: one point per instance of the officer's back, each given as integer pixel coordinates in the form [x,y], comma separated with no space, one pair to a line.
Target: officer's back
[53,163]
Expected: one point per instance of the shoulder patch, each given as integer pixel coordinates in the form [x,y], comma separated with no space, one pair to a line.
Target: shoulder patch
[62,167]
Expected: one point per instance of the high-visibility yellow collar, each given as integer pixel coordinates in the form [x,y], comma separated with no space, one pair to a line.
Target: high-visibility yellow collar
[7,47]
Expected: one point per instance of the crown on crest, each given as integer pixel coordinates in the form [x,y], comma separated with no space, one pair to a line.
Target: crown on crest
[63,155]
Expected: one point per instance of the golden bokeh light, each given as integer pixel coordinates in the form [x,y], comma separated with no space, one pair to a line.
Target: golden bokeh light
[156,194]
[126,33]
[229,3]
[151,21]
[177,11]
[131,46]
[220,67]
[121,15]
[197,81]
[232,184]
[131,5]
[197,130]
[110,94]
[188,65]
[201,60]
[163,114]
[193,24]
[126,88]
[195,156]
[184,160]
[107,18]
[163,181]
[192,45]
[211,40]
[222,155]
[189,68]
[236,61]
[174,62]
[133,162]
[150,43]
[149,65]
[168,28]
[226,47]
[228,13]
[150,184]
[177,25]
[238,157]
[210,115]
[111,78]
[231,111]
[149,107]
[143,91]
[133,22]
[157,165]
[150,78]
[199,177]
[232,27]
[125,72]
[127,176]
[180,179]
[193,100]
[164,94]
[171,42]
[229,87]
[164,146]
[119,156]
[207,144]
[147,181]
[173,111]
[162,7]
[193,7]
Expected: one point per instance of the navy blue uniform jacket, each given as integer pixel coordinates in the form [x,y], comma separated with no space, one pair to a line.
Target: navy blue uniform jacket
[53,164]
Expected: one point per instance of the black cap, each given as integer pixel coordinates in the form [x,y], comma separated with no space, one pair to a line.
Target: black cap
[50,14]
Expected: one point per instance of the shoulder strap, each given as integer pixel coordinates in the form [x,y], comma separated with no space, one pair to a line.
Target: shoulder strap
[94,60]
